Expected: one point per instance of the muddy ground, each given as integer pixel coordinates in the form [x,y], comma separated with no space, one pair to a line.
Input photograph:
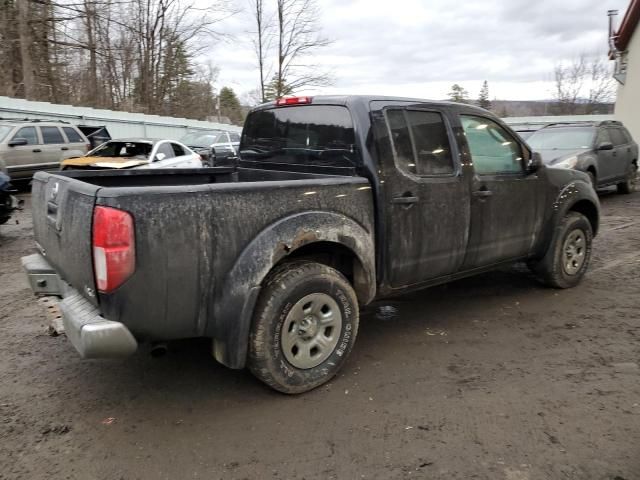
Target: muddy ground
[493,377]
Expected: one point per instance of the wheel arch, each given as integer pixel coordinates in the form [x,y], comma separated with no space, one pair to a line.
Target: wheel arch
[328,237]
[589,210]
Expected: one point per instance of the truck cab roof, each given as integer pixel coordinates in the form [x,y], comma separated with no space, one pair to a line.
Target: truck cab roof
[366,99]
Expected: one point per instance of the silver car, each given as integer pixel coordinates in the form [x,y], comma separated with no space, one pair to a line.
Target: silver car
[216,147]
[28,146]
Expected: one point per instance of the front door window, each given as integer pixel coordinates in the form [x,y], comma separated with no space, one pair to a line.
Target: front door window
[492,149]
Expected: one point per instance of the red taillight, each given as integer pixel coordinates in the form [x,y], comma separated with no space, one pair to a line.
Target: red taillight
[114,254]
[293,101]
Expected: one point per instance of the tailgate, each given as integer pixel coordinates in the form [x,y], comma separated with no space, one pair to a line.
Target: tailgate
[62,221]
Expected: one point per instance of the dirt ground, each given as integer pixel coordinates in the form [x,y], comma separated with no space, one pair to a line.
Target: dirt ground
[493,377]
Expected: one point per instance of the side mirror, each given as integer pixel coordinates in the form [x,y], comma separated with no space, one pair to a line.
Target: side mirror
[535,163]
[18,142]
[605,146]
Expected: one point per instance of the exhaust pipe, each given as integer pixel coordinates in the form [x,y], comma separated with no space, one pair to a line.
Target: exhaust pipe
[159,349]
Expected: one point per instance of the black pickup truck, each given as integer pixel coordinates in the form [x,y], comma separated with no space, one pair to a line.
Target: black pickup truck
[335,202]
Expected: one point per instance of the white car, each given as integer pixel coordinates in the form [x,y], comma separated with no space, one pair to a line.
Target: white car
[137,153]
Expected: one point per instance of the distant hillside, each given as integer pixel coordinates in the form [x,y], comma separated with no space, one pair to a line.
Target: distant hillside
[533,108]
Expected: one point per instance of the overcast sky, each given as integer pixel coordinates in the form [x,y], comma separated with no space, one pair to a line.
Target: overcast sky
[420,48]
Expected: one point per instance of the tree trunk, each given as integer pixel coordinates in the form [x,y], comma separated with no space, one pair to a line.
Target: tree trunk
[28,76]
[91,93]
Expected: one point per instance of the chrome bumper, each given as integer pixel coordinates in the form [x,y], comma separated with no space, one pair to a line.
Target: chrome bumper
[92,335]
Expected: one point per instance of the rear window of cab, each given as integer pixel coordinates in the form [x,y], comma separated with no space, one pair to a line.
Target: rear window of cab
[319,135]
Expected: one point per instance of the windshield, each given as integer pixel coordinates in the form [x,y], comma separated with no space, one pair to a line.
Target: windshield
[200,139]
[320,135]
[4,131]
[564,138]
[137,150]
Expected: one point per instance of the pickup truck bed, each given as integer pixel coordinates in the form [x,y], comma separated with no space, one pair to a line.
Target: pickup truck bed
[196,265]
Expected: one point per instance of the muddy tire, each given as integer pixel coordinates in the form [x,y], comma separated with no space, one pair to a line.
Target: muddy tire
[592,179]
[569,254]
[629,185]
[304,326]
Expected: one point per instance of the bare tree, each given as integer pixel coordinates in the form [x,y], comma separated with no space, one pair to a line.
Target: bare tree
[261,40]
[602,85]
[298,36]
[569,82]
[582,85]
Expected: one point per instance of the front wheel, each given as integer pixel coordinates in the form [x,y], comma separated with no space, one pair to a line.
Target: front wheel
[304,326]
[629,185]
[568,256]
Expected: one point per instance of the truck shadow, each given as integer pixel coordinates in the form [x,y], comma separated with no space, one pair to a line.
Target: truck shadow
[187,374]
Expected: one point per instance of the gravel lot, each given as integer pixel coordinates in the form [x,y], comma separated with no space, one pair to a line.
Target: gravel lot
[493,377]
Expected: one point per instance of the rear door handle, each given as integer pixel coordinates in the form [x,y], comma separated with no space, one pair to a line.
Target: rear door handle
[36,150]
[64,148]
[482,193]
[404,200]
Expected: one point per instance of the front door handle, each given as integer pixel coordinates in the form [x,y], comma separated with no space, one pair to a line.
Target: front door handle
[36,150]
[482,193]
[404,200]
[64,148]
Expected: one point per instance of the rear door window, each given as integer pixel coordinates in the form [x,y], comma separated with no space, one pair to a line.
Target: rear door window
[166,150]
[28,133]
[617,137]
[178,150]
[420,142]
[72,135]
[51,135]
[320,135]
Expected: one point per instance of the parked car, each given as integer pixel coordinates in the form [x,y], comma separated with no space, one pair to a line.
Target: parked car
[217,148]
[29,146]
[603,150]
[137,153]
[8,203]
[525,130]
[336,201]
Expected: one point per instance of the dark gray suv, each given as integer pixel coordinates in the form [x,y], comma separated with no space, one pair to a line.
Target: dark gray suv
[603,150]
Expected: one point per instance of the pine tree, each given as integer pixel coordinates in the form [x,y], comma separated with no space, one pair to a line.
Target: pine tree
[273,87]
[483,98]
[458,94]
[230,105]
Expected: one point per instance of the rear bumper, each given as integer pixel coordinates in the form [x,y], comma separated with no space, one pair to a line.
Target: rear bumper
[92,335]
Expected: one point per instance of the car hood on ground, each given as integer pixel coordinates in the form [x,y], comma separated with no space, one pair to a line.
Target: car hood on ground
[551,157]
[103,162]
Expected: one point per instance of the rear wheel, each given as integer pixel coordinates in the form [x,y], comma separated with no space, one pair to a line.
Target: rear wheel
[568,256]
[629,185]
[304,327]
